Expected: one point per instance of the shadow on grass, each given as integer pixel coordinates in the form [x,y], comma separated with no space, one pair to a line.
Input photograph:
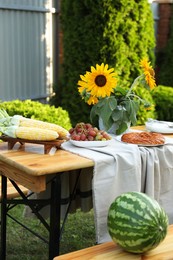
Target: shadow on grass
[79,233]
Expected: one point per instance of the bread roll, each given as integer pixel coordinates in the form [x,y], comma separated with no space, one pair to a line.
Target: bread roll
[145,138]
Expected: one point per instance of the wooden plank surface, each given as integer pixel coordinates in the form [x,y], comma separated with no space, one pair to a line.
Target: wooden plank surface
[110,251]
[34,162]
[11,191]
[31,182]
[30,166]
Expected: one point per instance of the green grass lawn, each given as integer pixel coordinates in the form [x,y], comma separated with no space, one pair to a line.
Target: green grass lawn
[79,232]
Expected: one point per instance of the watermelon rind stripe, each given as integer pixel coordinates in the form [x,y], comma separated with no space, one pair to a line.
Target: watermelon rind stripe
[136,222]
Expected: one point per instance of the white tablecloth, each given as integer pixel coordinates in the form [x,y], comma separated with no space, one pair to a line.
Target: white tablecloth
[123,167]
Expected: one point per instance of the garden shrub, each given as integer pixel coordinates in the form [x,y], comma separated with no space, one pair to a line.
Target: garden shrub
[37,110]
[145,112]
[163,98]
[116,32]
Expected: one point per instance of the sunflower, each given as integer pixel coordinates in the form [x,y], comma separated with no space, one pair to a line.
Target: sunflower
[100,82]
[83,82]
[98,87]
[92,100]
[148,72]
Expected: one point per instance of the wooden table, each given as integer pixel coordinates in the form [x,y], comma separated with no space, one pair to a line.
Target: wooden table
[29,167]
[111,251]
[142,128]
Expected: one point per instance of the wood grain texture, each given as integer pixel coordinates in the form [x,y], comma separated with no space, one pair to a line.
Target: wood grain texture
[28,164]
[11,191]
[34,162]
[34,183]
[111,251]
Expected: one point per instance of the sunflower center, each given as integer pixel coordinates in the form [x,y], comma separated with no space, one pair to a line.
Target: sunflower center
[100,80]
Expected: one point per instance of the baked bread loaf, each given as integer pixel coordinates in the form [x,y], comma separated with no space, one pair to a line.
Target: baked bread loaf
[144,138]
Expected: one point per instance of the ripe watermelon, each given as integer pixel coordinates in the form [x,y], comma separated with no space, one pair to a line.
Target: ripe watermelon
[136,222]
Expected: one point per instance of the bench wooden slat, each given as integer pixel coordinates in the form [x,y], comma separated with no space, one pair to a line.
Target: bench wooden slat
[11,191]
[110,251]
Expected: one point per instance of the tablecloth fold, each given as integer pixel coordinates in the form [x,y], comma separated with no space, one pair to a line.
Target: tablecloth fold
[120,168]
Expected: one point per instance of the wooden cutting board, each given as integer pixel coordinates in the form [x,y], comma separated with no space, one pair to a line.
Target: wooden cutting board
[47,144]
[110,251]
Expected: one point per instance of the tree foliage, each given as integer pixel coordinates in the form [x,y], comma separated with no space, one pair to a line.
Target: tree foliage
[116,32]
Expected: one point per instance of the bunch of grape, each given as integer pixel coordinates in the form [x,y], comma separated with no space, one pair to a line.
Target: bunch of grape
[87,132]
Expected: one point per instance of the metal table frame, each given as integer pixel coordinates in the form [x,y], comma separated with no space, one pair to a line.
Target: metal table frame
[54,227]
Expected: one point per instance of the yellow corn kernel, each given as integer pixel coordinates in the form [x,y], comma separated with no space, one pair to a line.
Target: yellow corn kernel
[37,134]
[27,122]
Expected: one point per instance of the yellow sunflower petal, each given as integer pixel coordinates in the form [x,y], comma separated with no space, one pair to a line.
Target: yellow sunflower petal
[83,77]
[82,83]
[100,82]
[145,65]
[148,72]
[111,70]
[81,89]
[92,100]
[150,80]
[92,69]
[105,68]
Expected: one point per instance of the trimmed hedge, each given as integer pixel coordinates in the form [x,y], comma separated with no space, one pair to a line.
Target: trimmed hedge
[37,110]
[163,98]
[117,32]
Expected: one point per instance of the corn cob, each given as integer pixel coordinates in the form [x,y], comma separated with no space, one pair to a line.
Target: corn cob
[30,133]
[27,122]
[17,120]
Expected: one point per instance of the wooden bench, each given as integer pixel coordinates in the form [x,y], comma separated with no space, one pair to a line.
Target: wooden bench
[11,191]
[110,251]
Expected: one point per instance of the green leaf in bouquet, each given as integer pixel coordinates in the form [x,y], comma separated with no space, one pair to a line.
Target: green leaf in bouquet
[122,128]
[117,115]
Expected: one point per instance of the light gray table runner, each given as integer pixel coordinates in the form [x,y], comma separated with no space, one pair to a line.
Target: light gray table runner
[123,167]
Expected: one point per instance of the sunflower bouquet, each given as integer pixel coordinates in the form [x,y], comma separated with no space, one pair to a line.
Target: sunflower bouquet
[113,104]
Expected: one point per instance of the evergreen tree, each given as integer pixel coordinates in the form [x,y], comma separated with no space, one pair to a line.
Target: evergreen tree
[116,32]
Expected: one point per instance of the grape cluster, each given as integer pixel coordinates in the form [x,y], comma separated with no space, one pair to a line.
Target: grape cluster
[87,132]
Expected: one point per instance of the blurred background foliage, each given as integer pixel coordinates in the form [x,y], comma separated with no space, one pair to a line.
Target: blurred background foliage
[165,61]
[163,98]
[37,110]
[118,33]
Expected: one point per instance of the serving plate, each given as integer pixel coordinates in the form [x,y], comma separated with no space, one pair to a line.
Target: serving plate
[88,144]
[159,127]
